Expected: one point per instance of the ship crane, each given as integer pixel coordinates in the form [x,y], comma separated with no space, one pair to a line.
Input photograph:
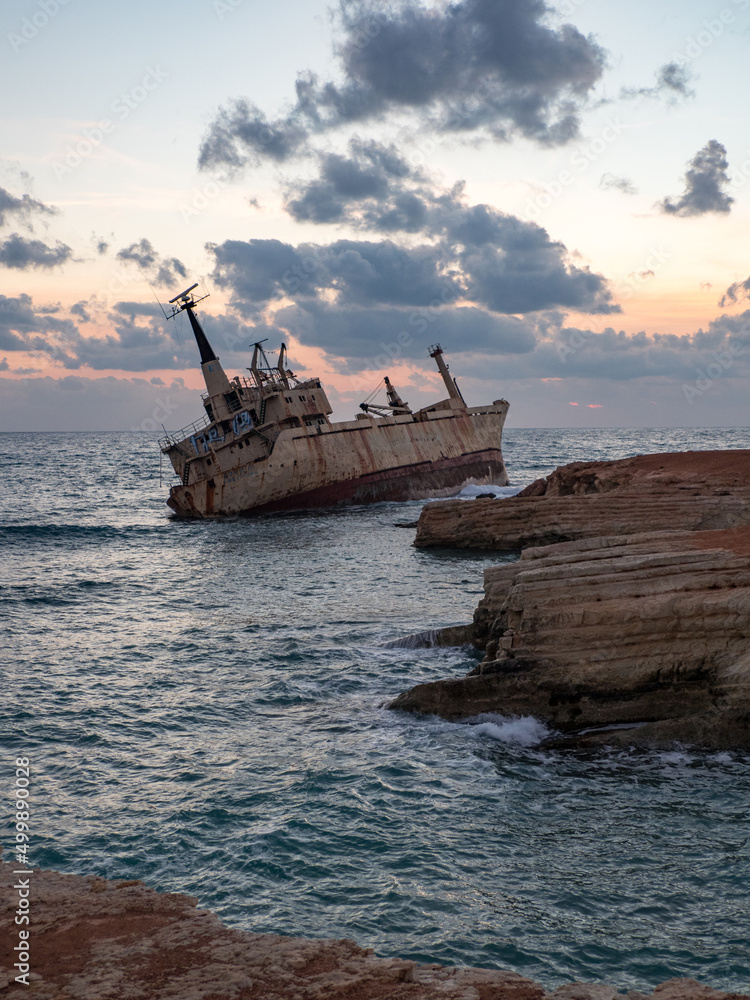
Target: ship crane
[394,406]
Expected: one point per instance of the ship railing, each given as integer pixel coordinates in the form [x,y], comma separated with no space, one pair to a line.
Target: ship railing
[178,436]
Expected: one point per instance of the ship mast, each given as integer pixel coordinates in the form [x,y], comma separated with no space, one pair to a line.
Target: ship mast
[214,375]
[454,392]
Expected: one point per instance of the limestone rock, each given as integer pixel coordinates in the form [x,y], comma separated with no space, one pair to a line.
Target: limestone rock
[692,491]
[650,630]
[98,940]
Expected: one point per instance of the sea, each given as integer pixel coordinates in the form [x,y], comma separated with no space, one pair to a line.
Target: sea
[204,707]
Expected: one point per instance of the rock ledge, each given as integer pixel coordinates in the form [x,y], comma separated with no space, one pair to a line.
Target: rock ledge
[98,940]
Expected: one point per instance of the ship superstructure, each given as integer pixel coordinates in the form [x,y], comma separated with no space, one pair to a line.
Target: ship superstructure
[266,441]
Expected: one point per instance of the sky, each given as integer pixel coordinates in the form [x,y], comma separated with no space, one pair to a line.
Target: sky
[558,194]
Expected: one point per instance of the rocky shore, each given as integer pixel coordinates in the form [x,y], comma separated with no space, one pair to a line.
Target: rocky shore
[92,939]
[690,491]
[628,612]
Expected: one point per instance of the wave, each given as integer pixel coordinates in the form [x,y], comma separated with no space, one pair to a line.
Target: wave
[418,640]
[70,532]
[522,730]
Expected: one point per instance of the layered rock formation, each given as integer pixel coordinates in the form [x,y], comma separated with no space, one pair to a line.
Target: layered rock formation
[694,491]
[97,940]
[626,623]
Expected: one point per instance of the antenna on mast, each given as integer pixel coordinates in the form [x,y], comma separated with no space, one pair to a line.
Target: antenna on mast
[145,277]
[185,300]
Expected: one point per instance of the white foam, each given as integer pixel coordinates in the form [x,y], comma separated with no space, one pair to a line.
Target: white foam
[417,640]
[472,491]
[524,730]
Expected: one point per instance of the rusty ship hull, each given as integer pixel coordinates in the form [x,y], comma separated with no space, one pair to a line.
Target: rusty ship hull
[354,462]
[266,443]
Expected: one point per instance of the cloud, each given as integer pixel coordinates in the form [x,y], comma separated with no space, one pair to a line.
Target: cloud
[705,178]
[570,352]
[365,176]
[24,327]
[372,337]
[140,338]
[160,270]
[21,253]
[735,293]
[80,310]
[489,66]
[4,366]
[619,183]
[486,258]
[74,403]
[23,207]
[672,82]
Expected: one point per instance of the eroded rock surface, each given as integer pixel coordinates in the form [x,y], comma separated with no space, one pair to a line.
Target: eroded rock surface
[629,606]
[692,491]
[97,940]
[650,630]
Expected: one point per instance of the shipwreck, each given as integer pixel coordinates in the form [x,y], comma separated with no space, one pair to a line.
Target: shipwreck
[266,442]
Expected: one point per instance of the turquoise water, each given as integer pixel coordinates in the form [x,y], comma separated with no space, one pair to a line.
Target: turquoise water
[203,708]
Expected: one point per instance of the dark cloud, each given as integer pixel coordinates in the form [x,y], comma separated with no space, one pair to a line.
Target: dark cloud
[133,309]
[356,271]
[140,339]
[672,82]
[619,183]
[735,293]
[241,133]
[372,187]
[533,279]
[705,179]
[483,257]
[24,327]
[21,253]
[481,254]
[160,270]
[365,175]
[368,337]
[569,352]
[361,339]
[23,207]
[17,318]
[493,66]
[674,79]
[80,310]
[4,366]
[101,246]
